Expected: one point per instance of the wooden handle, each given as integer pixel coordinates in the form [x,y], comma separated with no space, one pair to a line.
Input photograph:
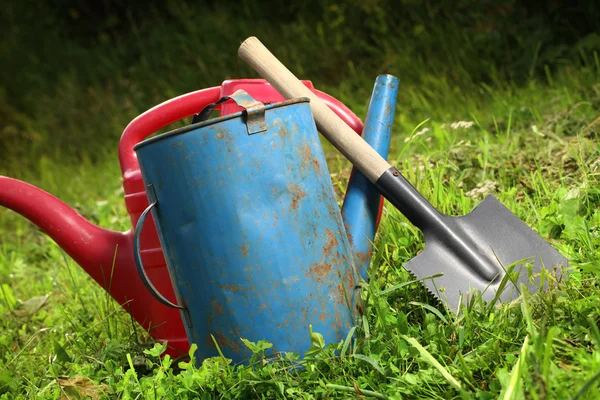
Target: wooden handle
[351,145]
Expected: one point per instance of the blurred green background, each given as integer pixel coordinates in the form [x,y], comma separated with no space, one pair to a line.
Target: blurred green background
[74,73]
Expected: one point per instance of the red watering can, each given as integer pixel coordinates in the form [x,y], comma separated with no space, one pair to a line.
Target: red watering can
[107,255]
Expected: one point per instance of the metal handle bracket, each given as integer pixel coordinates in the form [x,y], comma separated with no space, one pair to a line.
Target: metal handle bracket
[255,111]
[137,253]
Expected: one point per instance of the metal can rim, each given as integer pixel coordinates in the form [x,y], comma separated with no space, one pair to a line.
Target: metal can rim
[213,121]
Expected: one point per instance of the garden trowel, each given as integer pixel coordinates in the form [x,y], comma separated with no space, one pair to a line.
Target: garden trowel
[465,254]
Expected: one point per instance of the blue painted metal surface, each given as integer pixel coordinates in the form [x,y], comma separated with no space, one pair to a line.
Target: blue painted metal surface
[251,231]
[361,204]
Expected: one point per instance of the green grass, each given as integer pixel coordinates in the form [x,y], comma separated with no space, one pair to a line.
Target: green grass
[532,143]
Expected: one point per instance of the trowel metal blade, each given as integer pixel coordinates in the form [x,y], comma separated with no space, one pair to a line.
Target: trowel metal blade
[500,236]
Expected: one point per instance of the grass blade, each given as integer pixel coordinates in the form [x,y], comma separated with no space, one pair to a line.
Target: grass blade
[431,360]
[516,372]
[430,308]
[586,386]
[371,361]
[347,341]
[357,390]
[401,285]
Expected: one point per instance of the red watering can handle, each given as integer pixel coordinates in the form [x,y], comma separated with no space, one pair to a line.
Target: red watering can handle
[157,118]
[186,105]
[189,104]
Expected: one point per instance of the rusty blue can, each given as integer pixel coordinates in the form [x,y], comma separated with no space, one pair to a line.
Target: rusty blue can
[249,223]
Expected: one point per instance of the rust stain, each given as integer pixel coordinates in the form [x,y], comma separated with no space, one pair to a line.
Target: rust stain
[220,135]
[245,249]
[342,295]
[224,342]
[350,239]
[235,332]
[297,195]
[331,241]
[216,307]
[177,144]
[304,313]
[349,279]
[362,257]
[322,317]
[333,210]
[233,288]
[216,310]
[280,127]
[308,159]
[388,109]
[337,322]
[319,271]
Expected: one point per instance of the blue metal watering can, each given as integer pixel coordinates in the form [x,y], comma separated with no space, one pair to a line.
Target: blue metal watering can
[254,240]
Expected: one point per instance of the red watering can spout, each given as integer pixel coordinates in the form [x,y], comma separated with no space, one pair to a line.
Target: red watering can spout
[89,245]
[94,248]
[104,254]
